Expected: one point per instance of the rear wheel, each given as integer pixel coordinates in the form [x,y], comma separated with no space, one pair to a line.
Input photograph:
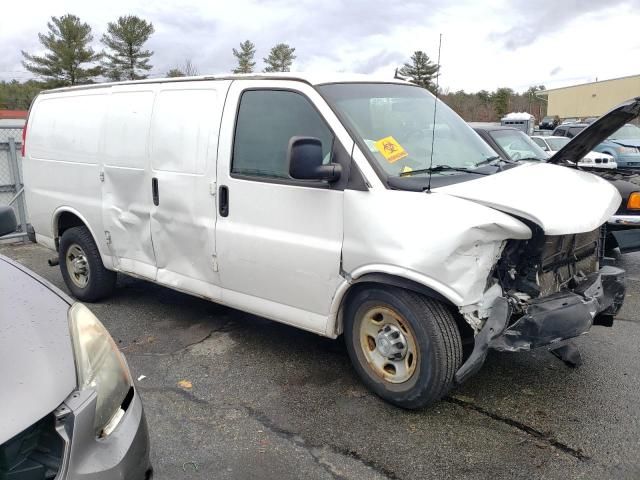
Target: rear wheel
[405,347]
[82,267]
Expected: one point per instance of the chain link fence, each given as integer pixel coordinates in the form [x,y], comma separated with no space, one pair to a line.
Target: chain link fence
[11,184]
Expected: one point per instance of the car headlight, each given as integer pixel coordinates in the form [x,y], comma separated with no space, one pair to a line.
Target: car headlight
[633,202]
[99,366]
[626,150]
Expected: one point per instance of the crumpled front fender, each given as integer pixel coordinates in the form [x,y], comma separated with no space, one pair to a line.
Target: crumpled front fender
[446,243]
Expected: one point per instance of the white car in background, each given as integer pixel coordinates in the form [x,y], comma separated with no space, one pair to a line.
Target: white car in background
[552,143]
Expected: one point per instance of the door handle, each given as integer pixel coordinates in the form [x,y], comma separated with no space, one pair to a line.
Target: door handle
[223,200]
[154,191]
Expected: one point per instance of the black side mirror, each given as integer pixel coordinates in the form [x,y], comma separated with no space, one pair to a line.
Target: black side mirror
[305,161]
[8,222]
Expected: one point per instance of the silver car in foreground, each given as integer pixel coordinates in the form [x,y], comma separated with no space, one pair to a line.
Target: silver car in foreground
[68,406]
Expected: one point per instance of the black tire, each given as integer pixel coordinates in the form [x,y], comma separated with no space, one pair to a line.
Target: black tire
[435,336]
[101,282]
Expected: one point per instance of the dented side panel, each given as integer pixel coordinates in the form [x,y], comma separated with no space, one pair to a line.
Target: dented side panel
[446,243]
[183,154]
[126,189]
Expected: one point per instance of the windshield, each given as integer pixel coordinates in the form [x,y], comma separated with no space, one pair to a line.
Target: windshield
[557,143]
[395,126]
[627,132]
[517,145]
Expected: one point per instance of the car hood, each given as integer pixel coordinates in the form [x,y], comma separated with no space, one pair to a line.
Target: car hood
[597,132]
[37,366]
[560,200]
[627,142]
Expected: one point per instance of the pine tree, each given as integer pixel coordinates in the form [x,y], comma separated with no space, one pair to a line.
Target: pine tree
[280,58]
[67,44]
[126,59]
[245,57]
[501,100]
[175,72]
[186,70]
[421,71]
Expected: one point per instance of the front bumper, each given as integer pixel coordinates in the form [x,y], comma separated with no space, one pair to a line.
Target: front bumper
[623,231]
[549,320]
[628,160]
[124,454]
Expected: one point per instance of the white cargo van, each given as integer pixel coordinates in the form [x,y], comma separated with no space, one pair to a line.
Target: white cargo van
[336,205]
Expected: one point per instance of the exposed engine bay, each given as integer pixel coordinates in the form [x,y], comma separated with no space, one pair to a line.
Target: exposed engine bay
[552,290]
[545,265]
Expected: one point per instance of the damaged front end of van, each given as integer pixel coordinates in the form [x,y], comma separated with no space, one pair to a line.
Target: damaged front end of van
[552,288]
[544,292]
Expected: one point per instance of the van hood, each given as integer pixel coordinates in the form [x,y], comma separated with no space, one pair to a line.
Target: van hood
[598,132]
[37,366]
[560,200]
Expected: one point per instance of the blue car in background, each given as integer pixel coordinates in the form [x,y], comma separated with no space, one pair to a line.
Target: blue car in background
[623,144]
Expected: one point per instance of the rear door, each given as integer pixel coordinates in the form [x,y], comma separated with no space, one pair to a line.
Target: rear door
[183,152]
[126,188]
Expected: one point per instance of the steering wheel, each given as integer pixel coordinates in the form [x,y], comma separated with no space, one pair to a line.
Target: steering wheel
[516,156]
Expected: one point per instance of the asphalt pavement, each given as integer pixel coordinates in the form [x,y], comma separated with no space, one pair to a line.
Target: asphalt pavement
[232,396]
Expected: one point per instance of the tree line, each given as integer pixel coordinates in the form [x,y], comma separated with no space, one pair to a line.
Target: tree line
[69,59]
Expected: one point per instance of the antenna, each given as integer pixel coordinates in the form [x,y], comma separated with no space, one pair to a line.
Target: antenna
[435,108]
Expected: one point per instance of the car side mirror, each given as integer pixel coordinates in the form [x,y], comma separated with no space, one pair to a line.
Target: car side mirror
[306,161]
[8,222]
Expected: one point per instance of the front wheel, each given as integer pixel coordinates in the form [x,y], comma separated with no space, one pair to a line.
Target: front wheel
[405,347]
[82,268]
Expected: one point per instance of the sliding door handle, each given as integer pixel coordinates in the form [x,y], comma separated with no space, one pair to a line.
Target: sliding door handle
[223,200]
[154,191]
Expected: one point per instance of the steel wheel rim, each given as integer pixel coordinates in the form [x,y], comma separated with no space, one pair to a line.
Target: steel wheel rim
[77,265]
[377,326]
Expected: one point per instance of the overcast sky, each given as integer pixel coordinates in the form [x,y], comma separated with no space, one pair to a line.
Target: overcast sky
[511,43]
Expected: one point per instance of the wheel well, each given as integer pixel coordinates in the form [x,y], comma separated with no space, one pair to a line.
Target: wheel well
[377,279]
[65,221]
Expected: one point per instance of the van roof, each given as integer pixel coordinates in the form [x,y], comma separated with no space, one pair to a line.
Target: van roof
[309,78]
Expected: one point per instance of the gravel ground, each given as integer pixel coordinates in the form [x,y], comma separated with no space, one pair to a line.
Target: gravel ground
[233,396]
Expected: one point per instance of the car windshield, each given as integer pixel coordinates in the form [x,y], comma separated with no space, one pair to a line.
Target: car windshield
[557,143]
[395,126]
[517,145]
[627,132]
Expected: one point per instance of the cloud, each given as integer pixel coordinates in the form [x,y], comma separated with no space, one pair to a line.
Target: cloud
[555,71]
[531,20]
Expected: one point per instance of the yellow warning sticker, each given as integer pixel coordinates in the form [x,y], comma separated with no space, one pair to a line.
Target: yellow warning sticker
[391,149]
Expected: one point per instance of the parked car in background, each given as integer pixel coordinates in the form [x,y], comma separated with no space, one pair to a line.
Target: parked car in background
[549,122]
[623,145]
[551,144]
[511,144]
[69,408]
[568,121]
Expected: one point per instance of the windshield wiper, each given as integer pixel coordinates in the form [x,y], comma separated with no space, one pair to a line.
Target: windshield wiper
[494,159]
[439,168]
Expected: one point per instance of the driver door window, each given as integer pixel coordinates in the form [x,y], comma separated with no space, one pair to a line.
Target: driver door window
[267,119]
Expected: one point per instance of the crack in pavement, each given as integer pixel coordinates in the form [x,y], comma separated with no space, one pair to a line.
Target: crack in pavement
[298,440]
[314,450]
[548,439]
[630,320]
[221,329]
